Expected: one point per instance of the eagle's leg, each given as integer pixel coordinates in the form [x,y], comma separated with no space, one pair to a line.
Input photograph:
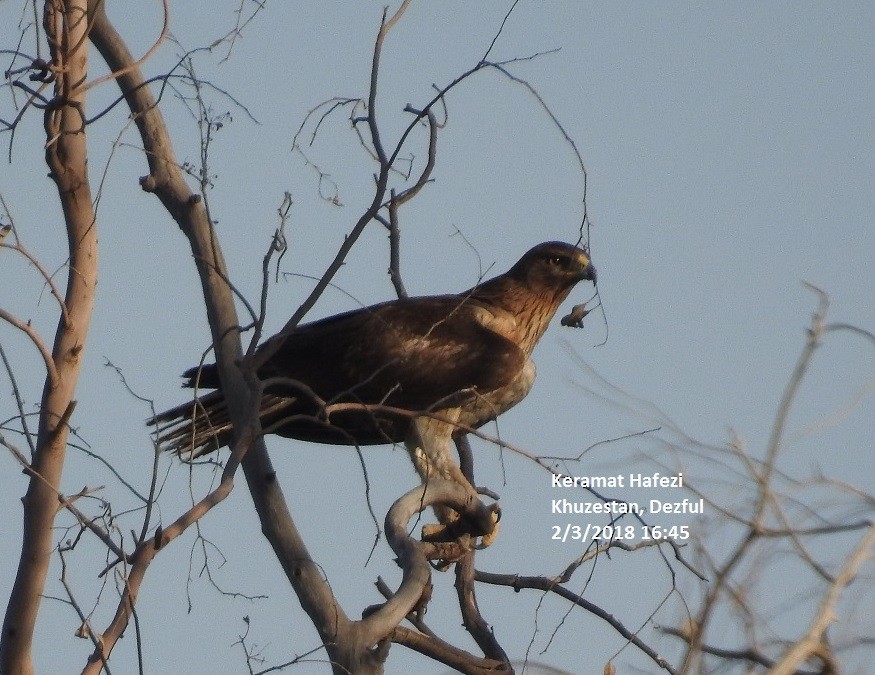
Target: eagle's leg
[430,443]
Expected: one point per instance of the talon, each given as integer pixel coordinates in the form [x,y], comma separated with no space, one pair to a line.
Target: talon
[435,532]
[489,538]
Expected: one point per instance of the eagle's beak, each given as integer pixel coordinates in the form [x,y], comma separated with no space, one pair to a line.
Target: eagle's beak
[587,269]
[589,273]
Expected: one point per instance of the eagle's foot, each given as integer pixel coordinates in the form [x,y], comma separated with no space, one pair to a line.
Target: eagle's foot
[488,538]
[436,532]
[464,529]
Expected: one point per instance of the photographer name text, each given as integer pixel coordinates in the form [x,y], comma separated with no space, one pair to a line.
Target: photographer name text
[621,480]
[650,481]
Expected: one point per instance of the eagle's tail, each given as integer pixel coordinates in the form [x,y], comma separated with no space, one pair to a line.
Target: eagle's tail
[195,428]
[203,425]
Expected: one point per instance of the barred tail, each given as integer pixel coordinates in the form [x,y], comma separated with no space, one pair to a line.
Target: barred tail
[203,425]
[197,427]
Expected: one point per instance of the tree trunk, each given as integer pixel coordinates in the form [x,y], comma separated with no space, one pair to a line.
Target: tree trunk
[66,154]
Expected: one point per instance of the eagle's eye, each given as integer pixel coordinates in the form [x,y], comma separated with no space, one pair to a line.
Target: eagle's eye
[554,260]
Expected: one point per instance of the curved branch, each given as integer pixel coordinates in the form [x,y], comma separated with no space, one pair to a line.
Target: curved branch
[413,555]
[548,585]
[412,191]
[30,331]
[19,247]
[240,386]
[813,640]
[130,67]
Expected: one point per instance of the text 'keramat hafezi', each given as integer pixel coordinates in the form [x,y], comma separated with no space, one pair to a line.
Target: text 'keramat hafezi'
[621,480]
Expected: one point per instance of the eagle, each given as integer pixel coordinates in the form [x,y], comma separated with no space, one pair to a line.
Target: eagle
[415,370]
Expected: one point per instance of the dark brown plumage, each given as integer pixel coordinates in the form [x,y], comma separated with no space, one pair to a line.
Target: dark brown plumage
[465,357]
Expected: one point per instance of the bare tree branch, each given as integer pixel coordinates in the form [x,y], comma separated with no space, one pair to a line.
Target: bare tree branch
[812,643]
[66,28]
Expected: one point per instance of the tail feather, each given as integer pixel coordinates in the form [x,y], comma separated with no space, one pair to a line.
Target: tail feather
[195,428]
[203,425]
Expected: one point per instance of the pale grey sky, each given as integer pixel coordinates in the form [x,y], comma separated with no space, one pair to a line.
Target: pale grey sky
[729,150]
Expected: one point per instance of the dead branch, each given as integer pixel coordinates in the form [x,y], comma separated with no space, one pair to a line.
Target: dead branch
[66,155]
[413,556]
[242,390]
[813,642]
[548,585]
[25,327]
[146,551]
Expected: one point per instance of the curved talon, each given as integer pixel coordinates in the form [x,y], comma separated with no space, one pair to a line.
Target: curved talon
[435,532]
[463,532]
[489,538]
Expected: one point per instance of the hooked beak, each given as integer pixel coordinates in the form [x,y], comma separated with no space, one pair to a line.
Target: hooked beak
[587,269]
[589,273]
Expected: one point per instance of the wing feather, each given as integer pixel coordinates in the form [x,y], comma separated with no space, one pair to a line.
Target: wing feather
[411,354]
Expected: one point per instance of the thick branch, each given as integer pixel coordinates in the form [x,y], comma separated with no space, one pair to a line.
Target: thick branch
[412,554]
[167,182]
[447,654]
[66,156]
[473,621]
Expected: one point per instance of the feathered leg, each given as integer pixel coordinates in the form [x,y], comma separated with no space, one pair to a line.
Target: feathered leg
[430,444]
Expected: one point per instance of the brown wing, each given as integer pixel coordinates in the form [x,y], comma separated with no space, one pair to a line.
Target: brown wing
[412,353]
[416,354]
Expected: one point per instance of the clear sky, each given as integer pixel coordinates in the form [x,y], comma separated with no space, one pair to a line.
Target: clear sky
[730,150]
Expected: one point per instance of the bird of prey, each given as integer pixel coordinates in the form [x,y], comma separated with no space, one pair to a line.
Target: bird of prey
[412,370]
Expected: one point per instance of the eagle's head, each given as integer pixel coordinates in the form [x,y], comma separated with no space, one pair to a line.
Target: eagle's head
[553,265]
[532,290]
